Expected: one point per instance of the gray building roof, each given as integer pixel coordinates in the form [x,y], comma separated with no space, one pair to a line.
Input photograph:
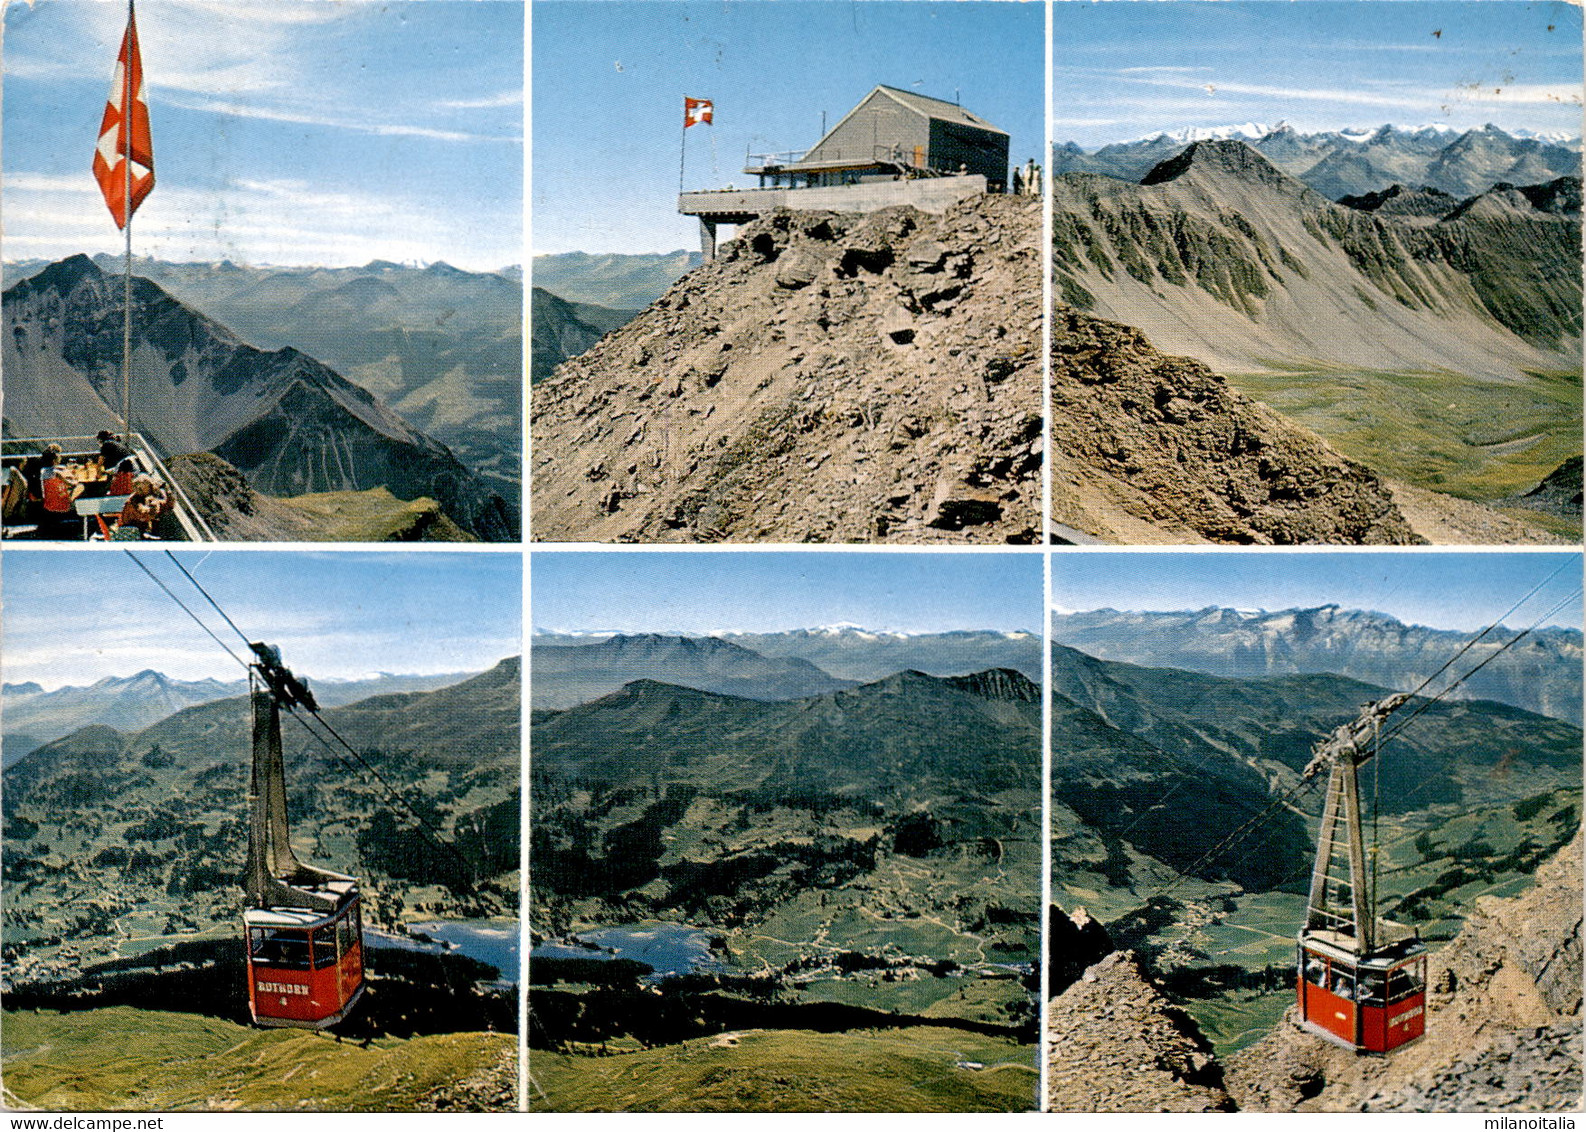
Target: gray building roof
[932,108]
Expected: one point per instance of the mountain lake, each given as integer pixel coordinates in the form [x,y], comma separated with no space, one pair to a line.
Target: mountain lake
[671,949]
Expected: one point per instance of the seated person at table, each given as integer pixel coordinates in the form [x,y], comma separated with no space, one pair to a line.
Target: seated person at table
[59,489]
[15,496]
[33,467]
[145,505]
[121,480]
[111,450]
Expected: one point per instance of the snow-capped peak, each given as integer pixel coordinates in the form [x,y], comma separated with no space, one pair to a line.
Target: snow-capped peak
[1244,131]
[1552,137]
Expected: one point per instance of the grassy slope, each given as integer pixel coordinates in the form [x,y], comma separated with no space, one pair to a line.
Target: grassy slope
[120,1058]
[375,515]
[1478,440]
[914,1070]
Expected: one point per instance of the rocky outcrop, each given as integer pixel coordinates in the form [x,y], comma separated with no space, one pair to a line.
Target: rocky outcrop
[1150,448]
[1503,1029]
[829,377]
[1558,494]
[1116,1045]
[1074,941]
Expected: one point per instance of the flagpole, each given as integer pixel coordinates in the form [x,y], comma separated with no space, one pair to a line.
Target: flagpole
[682,142]
[126,287]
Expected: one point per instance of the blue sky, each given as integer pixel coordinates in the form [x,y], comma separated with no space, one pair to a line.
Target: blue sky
[285,131]
[1125,70]
[610,77]
[1437,589]
[668,592]
[74,617]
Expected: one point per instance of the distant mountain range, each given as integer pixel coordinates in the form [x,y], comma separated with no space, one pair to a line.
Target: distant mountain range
[566,673]
[565,329]
[1541,674]
[853,654]
[442,347]
[291,424]
[1337,163]
[620,282]
[33,717]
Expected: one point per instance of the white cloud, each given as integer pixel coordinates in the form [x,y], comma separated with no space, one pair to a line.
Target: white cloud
[335,121]
[259,221]
[1384,94]
[490,102]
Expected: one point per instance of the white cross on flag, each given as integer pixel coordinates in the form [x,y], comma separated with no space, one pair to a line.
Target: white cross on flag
[697,110]
[118,143]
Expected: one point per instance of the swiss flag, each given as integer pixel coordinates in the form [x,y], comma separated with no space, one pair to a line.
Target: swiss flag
[118,141]
[697,110]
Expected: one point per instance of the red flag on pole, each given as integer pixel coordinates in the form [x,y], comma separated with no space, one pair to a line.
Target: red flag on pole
[697,110]
[124,134]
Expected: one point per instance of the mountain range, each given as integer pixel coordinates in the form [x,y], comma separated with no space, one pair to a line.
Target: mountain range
[853,654]
[442,347]
[1541,674]
[620,282]
[1218,253]
[567,673]
[1432,339]
[1342,162]
[876,847]
[34,717]
[896,818]
[291,424]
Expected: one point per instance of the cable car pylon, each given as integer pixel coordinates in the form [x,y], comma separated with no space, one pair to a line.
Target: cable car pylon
[1361,980]
[303,925]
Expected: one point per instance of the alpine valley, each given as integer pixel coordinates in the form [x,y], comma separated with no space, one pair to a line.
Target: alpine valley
[811,893]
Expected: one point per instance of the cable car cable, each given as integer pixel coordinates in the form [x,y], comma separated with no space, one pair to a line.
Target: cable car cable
[1516,639]
[436,835]
[186,610]
[207,598]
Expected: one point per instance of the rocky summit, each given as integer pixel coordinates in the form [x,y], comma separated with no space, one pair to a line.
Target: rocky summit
[828,378]
[1115,1045]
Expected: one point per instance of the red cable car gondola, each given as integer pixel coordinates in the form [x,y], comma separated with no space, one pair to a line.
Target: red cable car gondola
[303,926]
[1361,980]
